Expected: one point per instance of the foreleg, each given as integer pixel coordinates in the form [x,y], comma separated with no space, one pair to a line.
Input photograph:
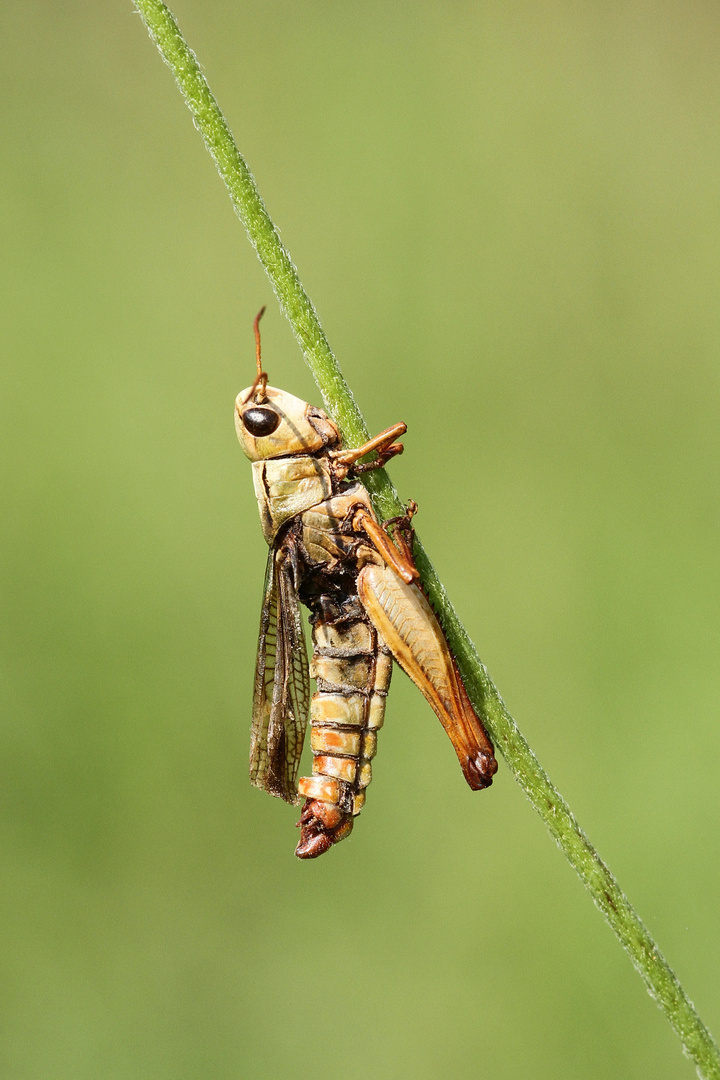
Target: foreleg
[383,444]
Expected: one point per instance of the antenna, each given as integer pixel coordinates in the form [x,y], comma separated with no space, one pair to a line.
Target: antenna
[256,328]
[257,390]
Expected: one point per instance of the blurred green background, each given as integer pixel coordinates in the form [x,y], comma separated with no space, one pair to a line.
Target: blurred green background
[508,217]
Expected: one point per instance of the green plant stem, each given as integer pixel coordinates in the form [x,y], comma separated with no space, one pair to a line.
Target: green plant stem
[337,397]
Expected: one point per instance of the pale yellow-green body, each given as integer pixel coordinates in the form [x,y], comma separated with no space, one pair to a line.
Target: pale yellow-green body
[329,551]
[285,487]
[350,662]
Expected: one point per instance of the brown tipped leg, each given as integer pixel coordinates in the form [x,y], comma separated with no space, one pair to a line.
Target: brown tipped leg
[403,533]
[321,825]
[401,614]
[383,445]
[399,559]
[381,460]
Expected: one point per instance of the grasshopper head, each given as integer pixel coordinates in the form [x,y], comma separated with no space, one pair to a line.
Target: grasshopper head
[271,423]
[280,424]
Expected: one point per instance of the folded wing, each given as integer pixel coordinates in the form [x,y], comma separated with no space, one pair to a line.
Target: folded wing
[282,684]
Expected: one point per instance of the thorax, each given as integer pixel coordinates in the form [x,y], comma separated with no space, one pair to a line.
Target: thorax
[285,487]
[327,536]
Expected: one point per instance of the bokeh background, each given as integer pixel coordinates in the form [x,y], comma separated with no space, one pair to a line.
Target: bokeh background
[508,217]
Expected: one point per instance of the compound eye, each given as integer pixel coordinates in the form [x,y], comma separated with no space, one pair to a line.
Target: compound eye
[260,421]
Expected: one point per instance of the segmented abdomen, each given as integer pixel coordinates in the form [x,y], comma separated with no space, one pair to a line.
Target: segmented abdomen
[352,666]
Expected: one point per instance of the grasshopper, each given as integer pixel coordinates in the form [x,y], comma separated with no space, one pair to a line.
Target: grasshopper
[357,576]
